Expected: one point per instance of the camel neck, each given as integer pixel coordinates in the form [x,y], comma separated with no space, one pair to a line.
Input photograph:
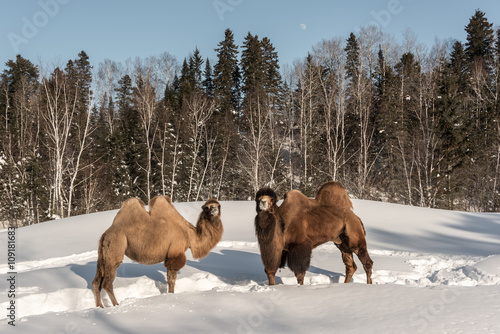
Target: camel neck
[207,234]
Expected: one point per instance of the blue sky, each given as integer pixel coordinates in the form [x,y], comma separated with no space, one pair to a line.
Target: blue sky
[54,31]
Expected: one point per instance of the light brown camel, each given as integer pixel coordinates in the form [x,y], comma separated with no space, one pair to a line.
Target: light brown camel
[312,222]
[160,235]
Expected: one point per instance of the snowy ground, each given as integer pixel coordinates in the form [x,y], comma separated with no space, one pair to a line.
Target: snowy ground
[435,271]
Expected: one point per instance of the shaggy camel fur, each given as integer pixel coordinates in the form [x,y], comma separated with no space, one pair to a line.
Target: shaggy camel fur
[160,235]
[269,229]
[312,222]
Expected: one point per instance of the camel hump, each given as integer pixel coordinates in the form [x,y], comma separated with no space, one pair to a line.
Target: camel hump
[160,198]
[133,202]
[294,194]
[133,211]
[161,206]
[334,194]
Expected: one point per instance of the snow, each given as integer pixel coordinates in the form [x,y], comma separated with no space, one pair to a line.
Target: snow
[435,271]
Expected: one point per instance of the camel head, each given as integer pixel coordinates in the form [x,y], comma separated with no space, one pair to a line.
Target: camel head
[211,208]
[265,199]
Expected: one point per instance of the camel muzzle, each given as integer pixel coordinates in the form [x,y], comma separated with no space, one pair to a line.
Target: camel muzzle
[214,211]
[263,205]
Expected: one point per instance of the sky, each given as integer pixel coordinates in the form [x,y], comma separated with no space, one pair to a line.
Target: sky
[54,31]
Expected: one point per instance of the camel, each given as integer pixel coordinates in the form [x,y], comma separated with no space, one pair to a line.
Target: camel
[309,223]
[269,229]
[160,235]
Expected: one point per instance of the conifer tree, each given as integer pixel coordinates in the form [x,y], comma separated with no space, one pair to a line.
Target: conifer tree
[80,81]
[22,190]
[208,81]
[454,123]
[353,61]
[226,119]
[385,121]
[128,179]
[225,77]
[480,37]
[186,82]
[195,68]
[261,87]
[109,149]
[479,49]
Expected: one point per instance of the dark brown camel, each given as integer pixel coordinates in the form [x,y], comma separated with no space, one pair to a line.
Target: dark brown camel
[309,223]
[269,229]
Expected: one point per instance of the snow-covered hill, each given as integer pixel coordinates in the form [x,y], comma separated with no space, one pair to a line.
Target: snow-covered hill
[435,271]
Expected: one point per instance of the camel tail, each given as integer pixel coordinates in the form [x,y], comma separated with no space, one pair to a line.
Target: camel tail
[362,226]
[99,275]
[100,257]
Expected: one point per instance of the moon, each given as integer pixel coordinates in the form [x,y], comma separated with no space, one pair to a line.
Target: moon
[303,26]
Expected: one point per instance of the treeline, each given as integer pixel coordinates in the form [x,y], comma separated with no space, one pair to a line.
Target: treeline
[400,123]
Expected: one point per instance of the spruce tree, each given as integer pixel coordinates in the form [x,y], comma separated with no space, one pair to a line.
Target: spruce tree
[353,61]
[386,119]
[81,80]
[353,106]
[226,119]
[260,117]
[271,68]
[195,69]
[23,197]
[225,73]
[208,81]
[129,179]
[454,124]
[84,80]
[484,135]
[186,83]
[480,37]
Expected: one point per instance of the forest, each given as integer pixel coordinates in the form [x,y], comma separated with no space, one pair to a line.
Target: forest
[397,122]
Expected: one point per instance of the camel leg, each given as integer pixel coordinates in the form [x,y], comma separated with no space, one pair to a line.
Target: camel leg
[97,284]
[270,276]
[300,277]
[350,265]
[173,265]
[367,262]
[110,256]
[299,259]
[107,282]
